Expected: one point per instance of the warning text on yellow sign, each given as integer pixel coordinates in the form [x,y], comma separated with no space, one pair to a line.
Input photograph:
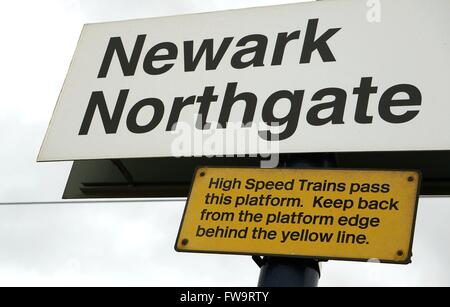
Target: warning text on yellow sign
[326,213]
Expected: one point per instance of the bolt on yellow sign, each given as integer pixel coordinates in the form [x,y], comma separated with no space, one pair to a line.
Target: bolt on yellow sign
[318,213]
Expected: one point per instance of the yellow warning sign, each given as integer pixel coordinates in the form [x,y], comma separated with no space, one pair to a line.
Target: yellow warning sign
[318,213]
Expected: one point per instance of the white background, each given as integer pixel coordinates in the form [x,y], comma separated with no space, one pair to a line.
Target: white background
[129,243]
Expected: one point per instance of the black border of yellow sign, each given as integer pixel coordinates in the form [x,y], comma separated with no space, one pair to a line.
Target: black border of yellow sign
[180,247]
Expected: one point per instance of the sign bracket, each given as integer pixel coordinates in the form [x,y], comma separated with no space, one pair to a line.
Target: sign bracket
[294,272]
[123,170]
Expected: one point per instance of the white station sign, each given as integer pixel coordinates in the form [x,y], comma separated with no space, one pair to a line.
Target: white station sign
[327,76]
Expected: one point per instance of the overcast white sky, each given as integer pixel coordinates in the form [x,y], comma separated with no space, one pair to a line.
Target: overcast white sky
[126,244]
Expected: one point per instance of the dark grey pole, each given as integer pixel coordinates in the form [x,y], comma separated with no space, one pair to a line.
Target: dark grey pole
[289,272]
[294,272]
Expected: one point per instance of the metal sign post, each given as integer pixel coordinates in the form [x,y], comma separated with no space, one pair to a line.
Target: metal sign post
[289,272]
[294,272]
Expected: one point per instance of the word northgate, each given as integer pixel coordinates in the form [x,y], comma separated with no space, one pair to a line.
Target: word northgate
[165,53]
